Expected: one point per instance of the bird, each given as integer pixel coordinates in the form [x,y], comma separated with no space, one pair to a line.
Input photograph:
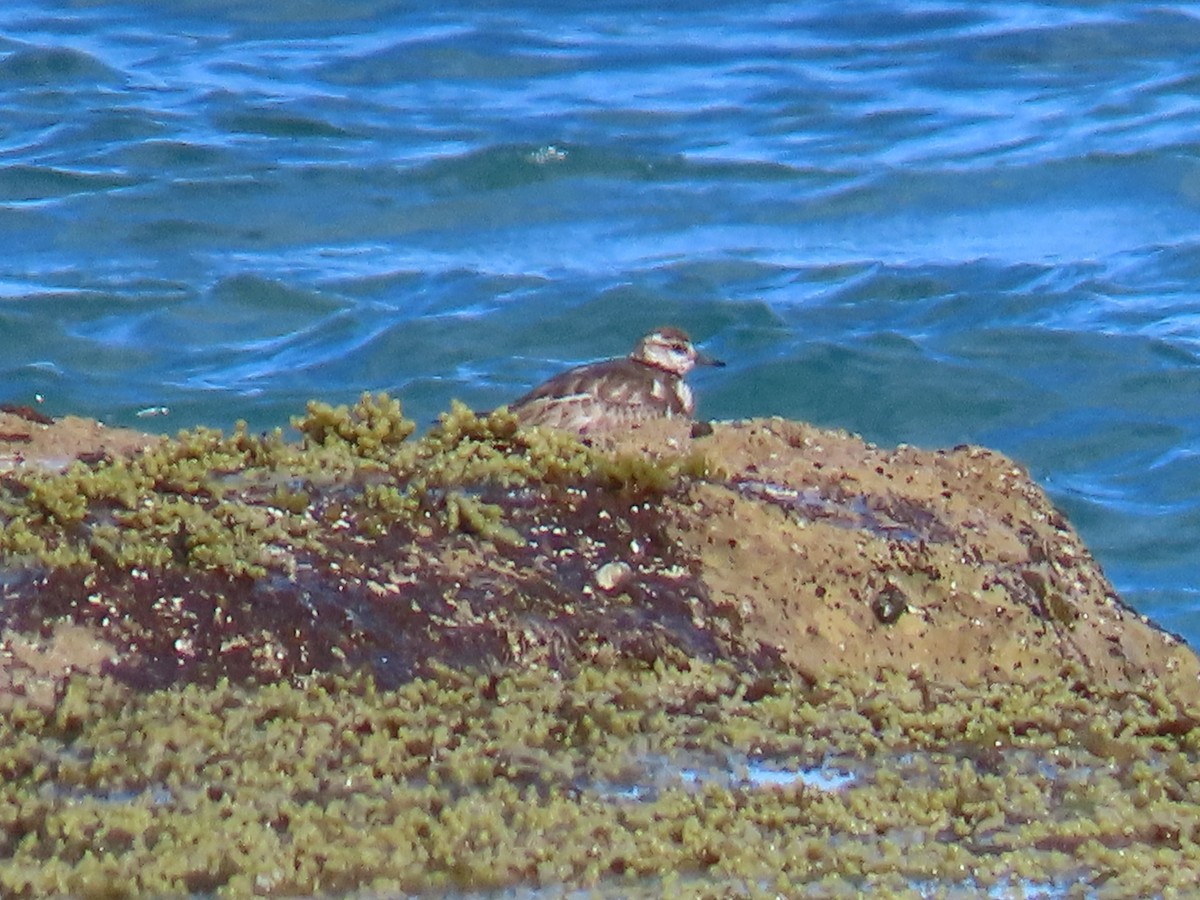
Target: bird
[620,392]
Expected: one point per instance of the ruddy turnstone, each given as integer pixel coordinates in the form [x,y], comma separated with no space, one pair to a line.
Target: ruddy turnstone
[616,393]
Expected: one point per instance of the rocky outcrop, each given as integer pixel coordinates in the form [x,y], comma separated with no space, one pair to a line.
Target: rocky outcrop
[767,543]
[498,659]
[953,563]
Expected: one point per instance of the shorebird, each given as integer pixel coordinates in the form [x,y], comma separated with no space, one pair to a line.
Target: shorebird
[618,393]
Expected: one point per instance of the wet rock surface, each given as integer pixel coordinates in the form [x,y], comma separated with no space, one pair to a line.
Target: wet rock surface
[494,657]
[625,781]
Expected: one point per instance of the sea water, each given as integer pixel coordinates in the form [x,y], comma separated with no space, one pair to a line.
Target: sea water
[932,223]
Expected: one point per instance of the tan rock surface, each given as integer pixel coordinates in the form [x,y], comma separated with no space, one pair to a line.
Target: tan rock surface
[818,538]
[28,437]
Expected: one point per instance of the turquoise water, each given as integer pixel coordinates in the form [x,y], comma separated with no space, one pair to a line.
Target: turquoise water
[932,223]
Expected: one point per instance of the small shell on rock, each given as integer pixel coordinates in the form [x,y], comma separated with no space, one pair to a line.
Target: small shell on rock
[612,575]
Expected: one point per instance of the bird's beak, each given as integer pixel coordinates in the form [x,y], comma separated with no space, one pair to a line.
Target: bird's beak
[703,359]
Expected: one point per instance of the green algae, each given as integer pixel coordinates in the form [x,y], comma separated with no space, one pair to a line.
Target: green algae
[242,503]
[637,780]
[375,428]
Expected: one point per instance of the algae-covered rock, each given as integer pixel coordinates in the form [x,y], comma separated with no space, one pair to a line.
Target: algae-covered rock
[247,556]
[484,543]
[758,660]
[619,781]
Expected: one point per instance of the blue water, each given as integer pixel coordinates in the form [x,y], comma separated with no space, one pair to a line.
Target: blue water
[932,223]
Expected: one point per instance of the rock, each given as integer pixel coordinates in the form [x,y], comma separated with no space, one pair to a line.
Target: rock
[763,543]
[29,438]
[806,528]
[711,648]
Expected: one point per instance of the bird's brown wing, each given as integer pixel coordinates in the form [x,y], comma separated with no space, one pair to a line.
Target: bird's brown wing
[614,393]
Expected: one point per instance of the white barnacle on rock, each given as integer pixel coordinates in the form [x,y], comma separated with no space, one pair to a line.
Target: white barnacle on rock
[612,575]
